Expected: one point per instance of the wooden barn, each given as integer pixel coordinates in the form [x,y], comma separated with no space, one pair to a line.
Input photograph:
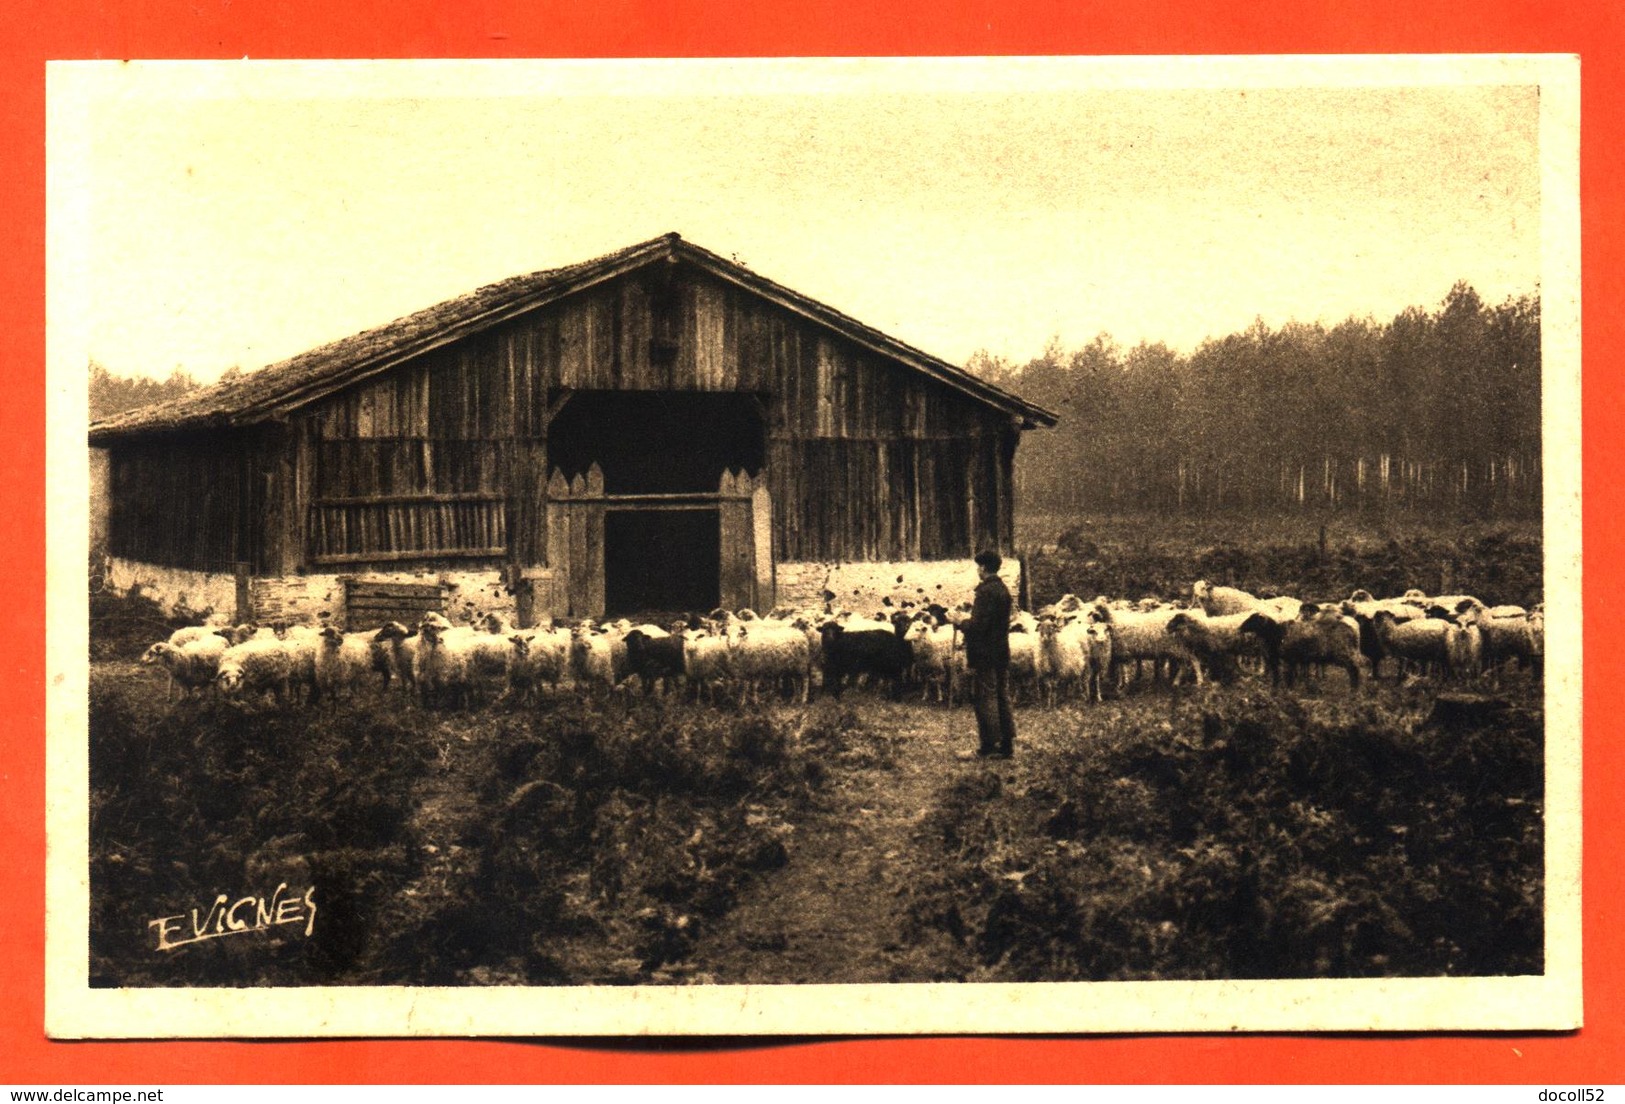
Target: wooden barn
[659,428]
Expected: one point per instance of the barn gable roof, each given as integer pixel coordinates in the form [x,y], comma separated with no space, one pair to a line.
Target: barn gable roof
[272,392]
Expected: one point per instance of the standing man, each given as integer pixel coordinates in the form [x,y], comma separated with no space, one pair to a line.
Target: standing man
[987,654]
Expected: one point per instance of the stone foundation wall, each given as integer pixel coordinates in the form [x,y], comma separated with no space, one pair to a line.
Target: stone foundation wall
[863,587]
[319,599]
[179,592]
[307,599]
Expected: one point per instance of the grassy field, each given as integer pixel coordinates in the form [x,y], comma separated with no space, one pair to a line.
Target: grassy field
[1170,832]
[1195,531]
[1161,556]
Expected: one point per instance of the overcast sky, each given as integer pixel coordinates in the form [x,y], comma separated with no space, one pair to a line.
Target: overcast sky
[236,214]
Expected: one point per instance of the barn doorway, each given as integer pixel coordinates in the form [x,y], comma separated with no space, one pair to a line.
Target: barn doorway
[662,455]
[658,442]
[659,563]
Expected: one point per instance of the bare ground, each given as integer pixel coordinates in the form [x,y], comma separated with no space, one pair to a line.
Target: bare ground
[865,878]
[831,913]
[835,911]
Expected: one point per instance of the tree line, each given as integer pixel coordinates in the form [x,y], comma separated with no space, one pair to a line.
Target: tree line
[1431,411]
[114,394]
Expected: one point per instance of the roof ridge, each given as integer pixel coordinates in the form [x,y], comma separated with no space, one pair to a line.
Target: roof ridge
[880,334]
[305,376]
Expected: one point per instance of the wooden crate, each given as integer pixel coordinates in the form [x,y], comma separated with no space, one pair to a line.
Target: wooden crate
[368,604]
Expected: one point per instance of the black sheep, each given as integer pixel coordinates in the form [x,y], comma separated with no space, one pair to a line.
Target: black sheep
[653,657]
[868,652]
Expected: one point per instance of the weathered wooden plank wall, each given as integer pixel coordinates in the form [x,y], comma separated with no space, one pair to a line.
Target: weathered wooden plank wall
[737,581]
[866,460]
[195,501]
[889,500]
[727,339]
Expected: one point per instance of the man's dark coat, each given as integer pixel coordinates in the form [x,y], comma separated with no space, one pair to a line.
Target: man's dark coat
[987,633]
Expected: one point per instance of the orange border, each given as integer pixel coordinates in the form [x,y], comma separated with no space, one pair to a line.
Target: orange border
[486,28]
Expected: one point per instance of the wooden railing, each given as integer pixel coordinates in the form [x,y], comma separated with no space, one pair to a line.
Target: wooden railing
[386,528]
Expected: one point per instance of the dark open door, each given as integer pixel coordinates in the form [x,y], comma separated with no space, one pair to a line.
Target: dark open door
[661,562]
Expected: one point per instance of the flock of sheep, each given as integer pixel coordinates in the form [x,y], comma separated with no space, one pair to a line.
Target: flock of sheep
[1071,648]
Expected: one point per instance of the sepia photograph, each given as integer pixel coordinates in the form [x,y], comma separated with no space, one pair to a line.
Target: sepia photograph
[844,546]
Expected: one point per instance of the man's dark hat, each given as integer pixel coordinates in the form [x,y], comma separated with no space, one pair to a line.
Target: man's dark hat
[989,559]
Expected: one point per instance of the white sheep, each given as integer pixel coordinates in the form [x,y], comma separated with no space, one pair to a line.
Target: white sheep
[495,623]
[441,668]
[189,633]
[489,654]
[1455,602]
[486,657]
[256,666]
[1099,640]
[1218,600]
[1505,637]
[1467,649]
[1216,642]
[302,643]
[1063,607]
[855,623]
[342,660]
[774,654]
[1141,636]
[1064,652]
[179,638]
[933,646]
[707,661]
[241,634]
[1221,601]
[1452,602]
[540,656]
[1363,607]
[1428,642]
[616,632]
[1330,614]
[1281,608]
[192,665]
[1362,604]
[1026,663]
[592,656]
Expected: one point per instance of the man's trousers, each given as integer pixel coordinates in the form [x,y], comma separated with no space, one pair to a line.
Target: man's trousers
[990,694]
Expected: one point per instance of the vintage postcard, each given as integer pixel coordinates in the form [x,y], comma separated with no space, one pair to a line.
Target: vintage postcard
[812,547]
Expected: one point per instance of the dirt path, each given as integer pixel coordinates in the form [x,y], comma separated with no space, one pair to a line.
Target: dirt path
[444,809]
[832,914]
